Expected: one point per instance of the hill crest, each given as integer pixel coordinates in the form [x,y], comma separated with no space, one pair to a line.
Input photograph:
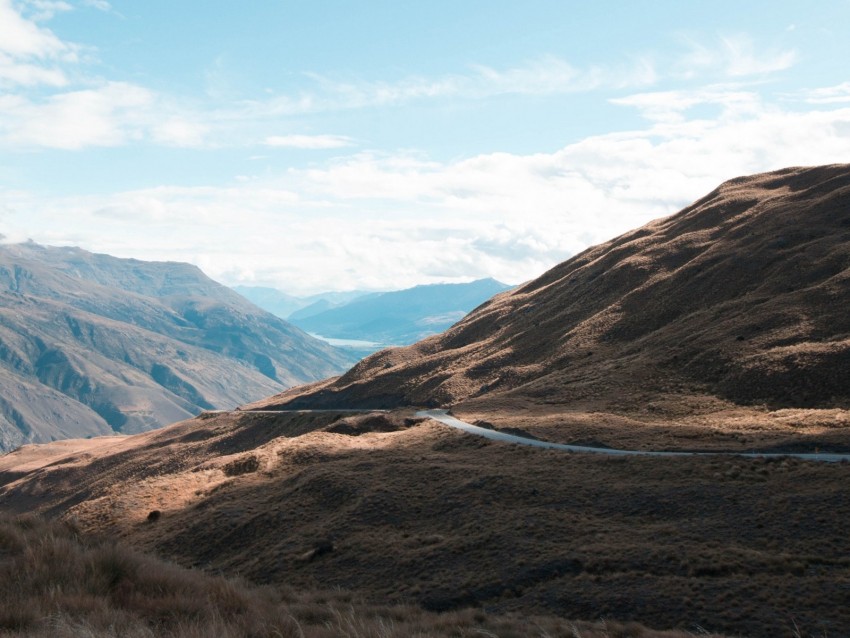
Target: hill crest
[739,297]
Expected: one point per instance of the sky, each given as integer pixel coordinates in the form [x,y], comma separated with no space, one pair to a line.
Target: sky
[314,145]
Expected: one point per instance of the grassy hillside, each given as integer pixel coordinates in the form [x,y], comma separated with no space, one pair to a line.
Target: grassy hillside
[404,511]
[728,316]
[56,583]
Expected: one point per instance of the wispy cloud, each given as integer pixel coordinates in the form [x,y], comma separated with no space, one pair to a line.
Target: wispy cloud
[101,5]
[55,104]
[309,142]
[109,115]
[827,95]
[731,56]
[40,10]
[671,106]
[546,75]
[17,72]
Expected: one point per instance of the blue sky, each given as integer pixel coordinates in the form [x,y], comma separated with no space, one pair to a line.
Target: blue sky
[382,144]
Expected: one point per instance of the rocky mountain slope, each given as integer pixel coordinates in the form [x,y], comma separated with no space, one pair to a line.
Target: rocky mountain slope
[740,298]
[91,344]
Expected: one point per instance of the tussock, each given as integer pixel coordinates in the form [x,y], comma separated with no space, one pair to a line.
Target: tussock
[56,583]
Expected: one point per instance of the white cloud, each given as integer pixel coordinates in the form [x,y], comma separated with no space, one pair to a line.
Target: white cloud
[828,95]
[108,115]
[30,54]
[15,72]
[180,131]
[393,220]
[733,56]
[311,142]
[20,37]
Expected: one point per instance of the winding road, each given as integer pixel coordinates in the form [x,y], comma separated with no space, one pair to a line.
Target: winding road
[443,417]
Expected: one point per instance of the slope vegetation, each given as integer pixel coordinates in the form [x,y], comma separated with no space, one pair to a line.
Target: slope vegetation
[91,344]
[399,510]
[58,583]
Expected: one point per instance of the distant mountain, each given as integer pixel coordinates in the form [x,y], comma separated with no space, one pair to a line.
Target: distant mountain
[401,317]
[92,344]
[740,299]
[272,300]
[283,305]
[313,309]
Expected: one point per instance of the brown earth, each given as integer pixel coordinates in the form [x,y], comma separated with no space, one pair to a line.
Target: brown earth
[725,325]
[397,510]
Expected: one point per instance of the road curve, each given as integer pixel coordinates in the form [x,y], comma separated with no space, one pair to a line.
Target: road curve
[306,411]
[443,417]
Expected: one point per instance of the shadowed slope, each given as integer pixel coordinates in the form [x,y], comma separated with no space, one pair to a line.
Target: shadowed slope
[741,296]
[57,583]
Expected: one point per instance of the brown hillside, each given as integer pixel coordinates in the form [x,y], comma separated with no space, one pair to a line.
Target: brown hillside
[738,300]
[403,511]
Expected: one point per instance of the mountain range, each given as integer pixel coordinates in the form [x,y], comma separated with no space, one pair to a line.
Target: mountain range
[92,344]
[399,317]
[284,305]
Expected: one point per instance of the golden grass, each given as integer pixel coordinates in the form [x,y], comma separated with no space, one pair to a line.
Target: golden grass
[55,582]
[413,513]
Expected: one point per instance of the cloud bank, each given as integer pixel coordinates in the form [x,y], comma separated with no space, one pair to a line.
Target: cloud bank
[380,220]
[361,218]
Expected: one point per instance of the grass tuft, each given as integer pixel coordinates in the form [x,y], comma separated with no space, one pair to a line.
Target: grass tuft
[55,582]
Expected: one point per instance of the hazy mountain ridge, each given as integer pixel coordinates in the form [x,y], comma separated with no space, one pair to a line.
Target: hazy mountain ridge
[91,344]
[741,295]
[400,317]
[284,305]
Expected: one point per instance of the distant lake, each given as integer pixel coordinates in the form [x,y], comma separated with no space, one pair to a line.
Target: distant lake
[349,343]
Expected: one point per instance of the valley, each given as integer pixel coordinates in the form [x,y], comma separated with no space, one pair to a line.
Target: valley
[720,330]
[363,323]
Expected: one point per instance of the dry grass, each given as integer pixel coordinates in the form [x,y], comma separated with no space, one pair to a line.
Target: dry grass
[415,513]
[55,582]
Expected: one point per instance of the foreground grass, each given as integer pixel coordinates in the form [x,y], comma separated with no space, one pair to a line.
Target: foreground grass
[56,582]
